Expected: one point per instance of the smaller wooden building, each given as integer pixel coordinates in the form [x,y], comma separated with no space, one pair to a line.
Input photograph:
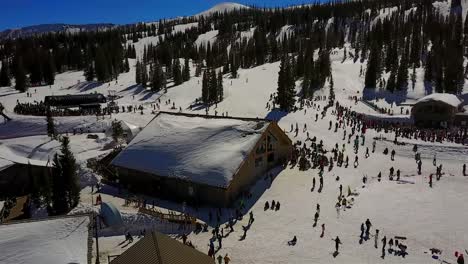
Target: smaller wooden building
[157,248]
[15,178]
[201,159]
[436,110]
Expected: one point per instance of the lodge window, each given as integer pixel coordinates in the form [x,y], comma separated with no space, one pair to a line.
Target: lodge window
[271,157]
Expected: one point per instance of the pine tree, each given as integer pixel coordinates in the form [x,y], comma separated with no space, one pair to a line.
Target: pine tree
[51,131]
[373,68]
[49,70]
[59,193]
[177,72]
[157,81]
[285,95]
[138,72]
[89,73]
[5,74]
[20,76]
[101,67]
[220,87]
[205,87]
[144,74]
[69,168]
[126,65]
[186,72]
[213,87]
[117,131]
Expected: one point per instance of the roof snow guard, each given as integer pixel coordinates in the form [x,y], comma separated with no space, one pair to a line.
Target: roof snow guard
[449,99]
[202,149]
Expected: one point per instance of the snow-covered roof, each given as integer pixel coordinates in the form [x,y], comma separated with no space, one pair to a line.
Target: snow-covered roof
[52,241]
[204,150]
[449,99]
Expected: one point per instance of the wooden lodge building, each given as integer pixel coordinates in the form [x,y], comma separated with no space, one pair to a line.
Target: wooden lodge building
[201,159]
[439,110]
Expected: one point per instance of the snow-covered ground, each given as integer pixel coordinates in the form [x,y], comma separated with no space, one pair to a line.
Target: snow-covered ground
[55,241]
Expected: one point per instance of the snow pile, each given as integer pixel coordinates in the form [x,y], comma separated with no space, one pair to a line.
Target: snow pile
[449,99]
[56,241]
[202,150]
[223,7]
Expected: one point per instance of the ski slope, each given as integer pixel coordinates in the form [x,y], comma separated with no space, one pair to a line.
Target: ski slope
[427,217]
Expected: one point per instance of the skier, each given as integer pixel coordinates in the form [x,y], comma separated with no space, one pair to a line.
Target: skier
[376,238]
[273,205]
[419,167]
[362,230]
[267,206]
[226,259]
[430,180]
[341,189]
[321,182]
[392,155]
[367,152]
[460,259]
[323,231]
[398,174]
[464,169]
[220,259]
[337,243]
[251,218]
[316,216]
[368,226]
[313,185]
[434,160]
[373,146]
[318,208]
[277,206]
[384,243]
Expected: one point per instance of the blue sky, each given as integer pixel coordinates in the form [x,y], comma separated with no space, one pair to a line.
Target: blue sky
[20,13]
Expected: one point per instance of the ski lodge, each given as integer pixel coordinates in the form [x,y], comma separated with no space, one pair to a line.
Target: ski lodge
[439,110]
[201,159]
[84,102]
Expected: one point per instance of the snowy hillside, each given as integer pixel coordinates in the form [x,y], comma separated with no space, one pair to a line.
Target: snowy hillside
[221,8]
